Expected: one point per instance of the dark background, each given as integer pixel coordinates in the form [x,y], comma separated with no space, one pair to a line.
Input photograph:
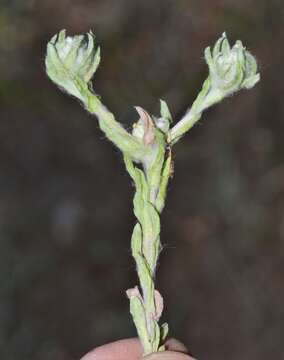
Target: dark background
[65,198]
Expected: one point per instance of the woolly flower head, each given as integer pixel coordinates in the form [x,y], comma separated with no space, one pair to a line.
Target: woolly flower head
[231,69]
[72,61]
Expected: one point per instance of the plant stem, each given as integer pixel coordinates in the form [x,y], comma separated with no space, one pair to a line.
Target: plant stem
[71,63]
[148,204]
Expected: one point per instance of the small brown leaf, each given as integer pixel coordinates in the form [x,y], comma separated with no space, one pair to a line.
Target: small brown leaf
[147,124]
[159,302]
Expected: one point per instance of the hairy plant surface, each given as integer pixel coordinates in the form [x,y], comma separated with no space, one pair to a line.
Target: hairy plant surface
[147,151]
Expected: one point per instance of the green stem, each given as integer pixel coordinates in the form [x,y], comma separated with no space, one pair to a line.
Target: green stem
[146,308]
[151,183]
[113,129]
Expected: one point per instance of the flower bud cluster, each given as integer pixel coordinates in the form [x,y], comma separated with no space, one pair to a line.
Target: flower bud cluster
[72,61]
[230,69]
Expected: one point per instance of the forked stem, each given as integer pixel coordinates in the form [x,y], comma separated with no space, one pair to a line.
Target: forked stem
[71,63]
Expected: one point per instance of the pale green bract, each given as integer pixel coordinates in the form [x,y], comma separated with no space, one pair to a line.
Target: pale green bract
[147,152]
[230,69]
[72,61]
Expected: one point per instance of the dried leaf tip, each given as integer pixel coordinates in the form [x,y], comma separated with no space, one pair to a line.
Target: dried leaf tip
[144,129]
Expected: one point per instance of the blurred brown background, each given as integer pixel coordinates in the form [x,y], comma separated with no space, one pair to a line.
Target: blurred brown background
[65,199]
